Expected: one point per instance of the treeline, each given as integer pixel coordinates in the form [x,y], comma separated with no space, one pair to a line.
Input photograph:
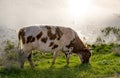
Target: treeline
[109,35]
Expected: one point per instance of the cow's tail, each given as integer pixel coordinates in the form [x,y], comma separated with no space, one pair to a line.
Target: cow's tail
[18,46]
[19,39]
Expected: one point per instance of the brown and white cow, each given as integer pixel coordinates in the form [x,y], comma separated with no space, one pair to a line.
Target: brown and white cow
[51,39]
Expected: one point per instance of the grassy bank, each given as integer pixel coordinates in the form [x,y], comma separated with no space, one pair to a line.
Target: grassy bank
[104,63]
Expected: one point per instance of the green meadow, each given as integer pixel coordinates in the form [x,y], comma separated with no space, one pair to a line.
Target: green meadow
[104,63]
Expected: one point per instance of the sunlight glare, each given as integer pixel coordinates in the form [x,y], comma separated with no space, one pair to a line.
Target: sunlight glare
[79,7]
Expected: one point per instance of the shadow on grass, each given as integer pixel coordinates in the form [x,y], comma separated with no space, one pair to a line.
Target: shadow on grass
[78,71]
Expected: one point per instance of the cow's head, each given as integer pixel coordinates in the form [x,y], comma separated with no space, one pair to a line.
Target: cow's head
[84,55]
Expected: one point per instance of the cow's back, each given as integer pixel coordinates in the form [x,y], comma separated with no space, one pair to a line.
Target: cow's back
[45,38]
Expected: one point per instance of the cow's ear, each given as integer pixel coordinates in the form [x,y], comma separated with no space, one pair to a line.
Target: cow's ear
[86,49]
[86,46]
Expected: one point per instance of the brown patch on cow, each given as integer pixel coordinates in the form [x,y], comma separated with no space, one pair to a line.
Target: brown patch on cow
[77,45]
[71,44]
[51,43]
[55,46]
[21,34]
[50,34]
[44,39]
[58,33]
[80,48]
[30,39]
[39,35]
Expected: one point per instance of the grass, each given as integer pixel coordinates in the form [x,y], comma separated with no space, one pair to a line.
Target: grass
[104,63]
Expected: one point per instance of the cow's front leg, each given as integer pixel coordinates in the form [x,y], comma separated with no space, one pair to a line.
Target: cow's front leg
[54,57]
[30,60]
[81,57]
[67,57]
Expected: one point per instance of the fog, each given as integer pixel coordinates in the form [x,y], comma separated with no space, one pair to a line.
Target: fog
[87,16]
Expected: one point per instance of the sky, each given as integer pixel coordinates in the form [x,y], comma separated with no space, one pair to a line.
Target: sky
[84,16]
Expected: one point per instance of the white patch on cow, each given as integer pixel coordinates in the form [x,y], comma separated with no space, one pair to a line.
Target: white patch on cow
[68,50]
[53,30]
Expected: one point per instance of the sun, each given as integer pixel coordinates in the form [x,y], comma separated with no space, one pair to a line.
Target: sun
[78,8]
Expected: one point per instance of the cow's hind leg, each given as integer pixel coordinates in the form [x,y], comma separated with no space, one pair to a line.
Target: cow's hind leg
[22,57]
[54,57]
[30,60]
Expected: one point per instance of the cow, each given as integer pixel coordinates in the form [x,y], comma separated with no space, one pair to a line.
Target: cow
[51,39]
